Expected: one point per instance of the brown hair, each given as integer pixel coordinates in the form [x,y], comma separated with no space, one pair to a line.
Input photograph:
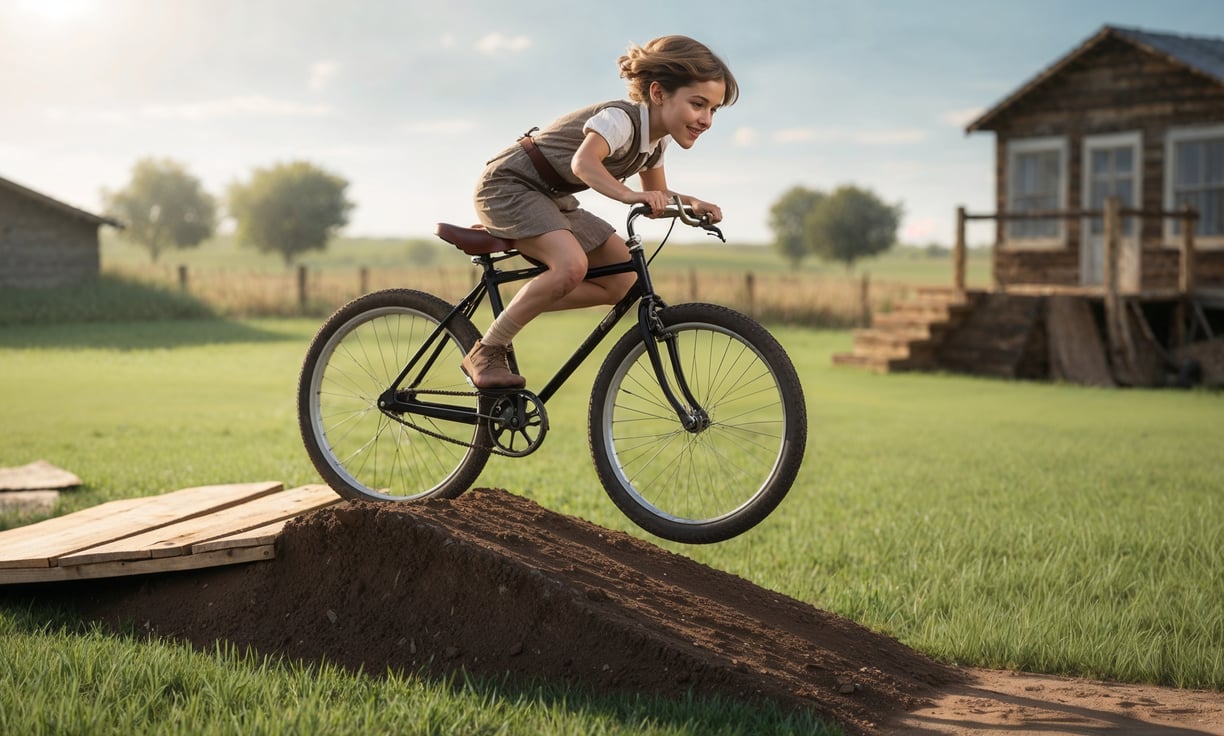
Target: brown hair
[673,62]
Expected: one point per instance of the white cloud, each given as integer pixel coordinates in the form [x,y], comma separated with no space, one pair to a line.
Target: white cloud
[495,43]
[236,107]
[962,117]
[322,73]
[885,137]
[746,137]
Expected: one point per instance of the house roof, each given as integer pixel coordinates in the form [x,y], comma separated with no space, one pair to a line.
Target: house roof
[55,204]
[1200,55]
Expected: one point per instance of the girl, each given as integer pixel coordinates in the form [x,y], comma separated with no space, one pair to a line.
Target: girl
[526,193]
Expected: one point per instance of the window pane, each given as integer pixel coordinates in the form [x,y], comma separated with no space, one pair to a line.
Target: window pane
[1124,160]
[1187,162]
[1214,167]
[1100,162]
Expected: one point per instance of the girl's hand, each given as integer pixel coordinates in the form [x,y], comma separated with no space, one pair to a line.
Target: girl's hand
[706,208]
[657,200]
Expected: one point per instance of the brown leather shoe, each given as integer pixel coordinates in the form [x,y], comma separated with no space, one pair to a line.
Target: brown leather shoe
[488,367]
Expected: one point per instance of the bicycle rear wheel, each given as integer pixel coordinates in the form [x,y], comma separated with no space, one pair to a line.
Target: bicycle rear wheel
[360,451]
[720,479]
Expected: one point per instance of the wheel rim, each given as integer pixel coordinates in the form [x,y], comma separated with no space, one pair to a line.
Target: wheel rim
[697,478]
[368,450]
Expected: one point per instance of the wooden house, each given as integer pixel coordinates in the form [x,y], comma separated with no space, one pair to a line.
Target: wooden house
[1109,197]
[45,242]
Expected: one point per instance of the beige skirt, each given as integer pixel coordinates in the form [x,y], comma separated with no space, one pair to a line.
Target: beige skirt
[511,203]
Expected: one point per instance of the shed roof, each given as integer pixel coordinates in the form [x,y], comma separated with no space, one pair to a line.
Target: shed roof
[55,204]
[1200,55]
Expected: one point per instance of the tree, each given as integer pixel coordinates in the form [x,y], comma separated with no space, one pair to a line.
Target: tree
[787,217]
[163,207]
[850,224]
[289,209]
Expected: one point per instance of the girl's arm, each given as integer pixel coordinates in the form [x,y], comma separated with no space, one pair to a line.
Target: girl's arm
[587,165]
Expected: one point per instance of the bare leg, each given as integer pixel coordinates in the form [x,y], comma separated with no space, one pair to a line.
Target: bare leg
[606,290]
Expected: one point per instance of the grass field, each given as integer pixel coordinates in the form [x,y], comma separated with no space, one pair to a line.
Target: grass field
[1042,527]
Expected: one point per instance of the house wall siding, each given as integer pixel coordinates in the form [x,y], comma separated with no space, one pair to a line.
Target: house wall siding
[40,246]
[1112,88]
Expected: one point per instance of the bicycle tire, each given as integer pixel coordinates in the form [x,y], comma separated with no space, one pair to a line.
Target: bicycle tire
[711,485]
[361,452]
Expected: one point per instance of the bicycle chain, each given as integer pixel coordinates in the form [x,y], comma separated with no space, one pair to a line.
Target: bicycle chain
[438,436]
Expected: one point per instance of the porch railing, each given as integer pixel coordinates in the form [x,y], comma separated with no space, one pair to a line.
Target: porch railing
[1112,215]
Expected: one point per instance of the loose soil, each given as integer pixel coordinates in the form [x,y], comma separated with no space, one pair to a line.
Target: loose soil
[492,583]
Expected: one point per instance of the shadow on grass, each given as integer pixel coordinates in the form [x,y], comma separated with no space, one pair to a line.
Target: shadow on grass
[51,610]
[154,335]
[117,313]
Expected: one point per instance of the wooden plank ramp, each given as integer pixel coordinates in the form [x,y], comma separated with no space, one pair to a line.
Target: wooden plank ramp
[184,530]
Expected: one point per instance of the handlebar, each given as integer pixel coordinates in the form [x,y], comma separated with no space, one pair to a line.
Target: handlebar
[676,211]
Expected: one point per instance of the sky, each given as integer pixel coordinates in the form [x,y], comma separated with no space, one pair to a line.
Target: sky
[407,99]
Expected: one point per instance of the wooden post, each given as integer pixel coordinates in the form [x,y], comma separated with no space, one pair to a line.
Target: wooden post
[1121,346]
[865,301]
[1185,270]
[363,277]
[692,284]
[1185,277]
[301,284]
[182,277]
[958,252]
[748,289]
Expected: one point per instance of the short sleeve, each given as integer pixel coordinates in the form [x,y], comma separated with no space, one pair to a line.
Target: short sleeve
[614,125]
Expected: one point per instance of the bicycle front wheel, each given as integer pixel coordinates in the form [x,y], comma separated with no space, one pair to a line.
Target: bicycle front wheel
[362,452]
[719,479]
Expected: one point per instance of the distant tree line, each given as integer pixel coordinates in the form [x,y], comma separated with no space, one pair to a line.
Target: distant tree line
[286,209]
[844,226]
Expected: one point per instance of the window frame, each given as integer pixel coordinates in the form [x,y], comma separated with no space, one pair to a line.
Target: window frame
[1021,146]
[1174,136]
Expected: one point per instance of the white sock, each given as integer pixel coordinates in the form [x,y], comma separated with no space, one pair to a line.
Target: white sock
[502,331]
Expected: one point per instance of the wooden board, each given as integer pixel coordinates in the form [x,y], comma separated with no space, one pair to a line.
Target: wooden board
[1077,353]
[177,539]
[184,530]
[43,543]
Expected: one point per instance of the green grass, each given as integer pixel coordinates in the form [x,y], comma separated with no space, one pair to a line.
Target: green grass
[86,681]
[109,298]
[1043,527]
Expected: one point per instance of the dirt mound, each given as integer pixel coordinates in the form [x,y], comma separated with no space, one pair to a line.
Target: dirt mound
[493,583]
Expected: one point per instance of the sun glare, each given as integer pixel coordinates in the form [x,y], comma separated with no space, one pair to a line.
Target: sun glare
[56,11]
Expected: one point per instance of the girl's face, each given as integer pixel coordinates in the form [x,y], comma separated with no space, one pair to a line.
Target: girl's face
[686,113]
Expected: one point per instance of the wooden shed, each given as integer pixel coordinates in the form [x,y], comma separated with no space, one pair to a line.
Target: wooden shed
[45,242]
[1109,198]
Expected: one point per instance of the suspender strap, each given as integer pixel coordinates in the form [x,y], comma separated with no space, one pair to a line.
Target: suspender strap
[550,176]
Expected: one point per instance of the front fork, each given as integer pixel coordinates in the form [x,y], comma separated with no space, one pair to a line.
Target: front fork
[690,413]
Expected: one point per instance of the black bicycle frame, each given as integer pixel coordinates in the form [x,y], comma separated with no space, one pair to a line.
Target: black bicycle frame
[402,399]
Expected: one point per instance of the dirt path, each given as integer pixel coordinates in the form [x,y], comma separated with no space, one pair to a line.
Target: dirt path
[494,583]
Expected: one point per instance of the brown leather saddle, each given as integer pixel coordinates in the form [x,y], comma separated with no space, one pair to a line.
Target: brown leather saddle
[475,241]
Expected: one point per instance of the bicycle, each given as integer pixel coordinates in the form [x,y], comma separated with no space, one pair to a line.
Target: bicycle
[696,423]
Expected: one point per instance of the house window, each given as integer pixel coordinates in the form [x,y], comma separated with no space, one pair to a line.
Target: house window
[1195,176]
[1037,176]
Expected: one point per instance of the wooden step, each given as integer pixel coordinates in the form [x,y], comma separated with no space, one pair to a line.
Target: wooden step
[184,530]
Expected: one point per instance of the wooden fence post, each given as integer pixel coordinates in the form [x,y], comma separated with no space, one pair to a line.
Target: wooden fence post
[865,301]
[182,277]
[363,278]
[958,252]
[692,284]
[749,288]
[301,284]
